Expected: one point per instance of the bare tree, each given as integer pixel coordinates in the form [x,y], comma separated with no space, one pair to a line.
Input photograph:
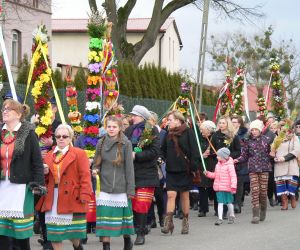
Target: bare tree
[160,13]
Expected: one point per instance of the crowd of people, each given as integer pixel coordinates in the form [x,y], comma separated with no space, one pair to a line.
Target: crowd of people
[139,163]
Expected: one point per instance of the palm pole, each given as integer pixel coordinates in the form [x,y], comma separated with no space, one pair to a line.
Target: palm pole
[201,62]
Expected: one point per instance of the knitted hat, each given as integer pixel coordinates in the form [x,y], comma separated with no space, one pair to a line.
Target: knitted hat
[209,125]
[224,153]
[258,124]
[141,111]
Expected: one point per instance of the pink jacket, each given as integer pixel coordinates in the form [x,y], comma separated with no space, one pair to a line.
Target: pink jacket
[225,176]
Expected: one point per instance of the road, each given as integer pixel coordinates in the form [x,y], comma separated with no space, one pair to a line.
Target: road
[280,231]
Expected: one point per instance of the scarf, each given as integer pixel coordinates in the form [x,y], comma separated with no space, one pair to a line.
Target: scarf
[174,134]
[136,133]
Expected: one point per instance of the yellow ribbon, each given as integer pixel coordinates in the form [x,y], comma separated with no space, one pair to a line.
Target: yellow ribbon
[97,185]
[58,103]
[31,70]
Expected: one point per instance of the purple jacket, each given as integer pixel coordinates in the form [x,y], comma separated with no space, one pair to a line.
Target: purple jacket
[256,151]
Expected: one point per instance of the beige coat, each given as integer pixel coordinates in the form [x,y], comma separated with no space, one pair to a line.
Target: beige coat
[288,167]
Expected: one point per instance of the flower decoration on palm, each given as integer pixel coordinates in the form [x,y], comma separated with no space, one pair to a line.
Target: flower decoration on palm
[102,84]
[182,103]
[41,77]
[238,90]
[262,107]
[226,102]
[71,95]
[278,93]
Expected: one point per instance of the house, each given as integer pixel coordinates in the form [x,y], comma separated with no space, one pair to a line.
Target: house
[19,20]
[70,42]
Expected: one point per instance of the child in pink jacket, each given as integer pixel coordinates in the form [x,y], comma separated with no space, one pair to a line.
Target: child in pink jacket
[224,184]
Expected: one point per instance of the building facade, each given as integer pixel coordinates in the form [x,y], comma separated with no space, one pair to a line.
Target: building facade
[70,42]
[19,19]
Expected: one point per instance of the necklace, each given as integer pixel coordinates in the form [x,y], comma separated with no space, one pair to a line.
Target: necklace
[6,139]
[60,158]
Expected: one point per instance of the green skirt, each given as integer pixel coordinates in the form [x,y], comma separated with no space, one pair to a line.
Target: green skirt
[20,228]
[114,221]
[77,230]
[224,197]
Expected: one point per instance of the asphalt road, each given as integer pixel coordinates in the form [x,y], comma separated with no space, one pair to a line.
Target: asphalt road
[280,231]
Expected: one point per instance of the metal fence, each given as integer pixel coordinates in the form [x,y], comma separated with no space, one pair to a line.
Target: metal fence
[158,106]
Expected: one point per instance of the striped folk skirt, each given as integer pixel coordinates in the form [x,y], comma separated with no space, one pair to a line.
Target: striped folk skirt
[76,230]
[20,228]
[142,200]
[286,185]
[114,221]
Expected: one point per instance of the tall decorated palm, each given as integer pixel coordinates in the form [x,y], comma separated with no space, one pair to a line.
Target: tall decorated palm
[278,93]
[102,84]
[40,75]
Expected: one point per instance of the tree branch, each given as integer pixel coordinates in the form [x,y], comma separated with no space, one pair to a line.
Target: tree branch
[93,5]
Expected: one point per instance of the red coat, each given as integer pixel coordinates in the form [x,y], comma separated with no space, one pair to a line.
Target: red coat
[75,183]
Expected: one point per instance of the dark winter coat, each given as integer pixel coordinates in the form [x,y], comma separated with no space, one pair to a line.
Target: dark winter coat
[210,163]
[177,163]
[26,164]
[242,168]
[218,139]
[256,151]
[145,162]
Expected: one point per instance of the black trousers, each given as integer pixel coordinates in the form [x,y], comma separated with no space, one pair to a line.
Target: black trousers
[203,199]
[271,186]
[239,190]
[159,201]
[8,243]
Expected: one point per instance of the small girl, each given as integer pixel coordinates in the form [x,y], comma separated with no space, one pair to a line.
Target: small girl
[224,184]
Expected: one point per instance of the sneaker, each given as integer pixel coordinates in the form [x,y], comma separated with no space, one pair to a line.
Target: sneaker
[231,219]
[218,222]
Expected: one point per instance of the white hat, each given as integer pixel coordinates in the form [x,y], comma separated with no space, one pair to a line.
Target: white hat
[258,124]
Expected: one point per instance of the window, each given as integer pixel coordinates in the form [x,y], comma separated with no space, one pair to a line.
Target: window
[36,4]
[16,47]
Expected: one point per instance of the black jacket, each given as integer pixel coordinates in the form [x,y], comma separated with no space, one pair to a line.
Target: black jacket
[145,162]
[218,139]
[188,145]
[26,164]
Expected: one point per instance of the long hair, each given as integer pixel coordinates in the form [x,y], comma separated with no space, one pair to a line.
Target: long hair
[230,131]
[118,159]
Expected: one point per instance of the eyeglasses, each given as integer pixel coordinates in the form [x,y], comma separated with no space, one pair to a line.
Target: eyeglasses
[62,136]
[6,109]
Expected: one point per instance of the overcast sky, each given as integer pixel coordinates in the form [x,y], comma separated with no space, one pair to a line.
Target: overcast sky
[282,15]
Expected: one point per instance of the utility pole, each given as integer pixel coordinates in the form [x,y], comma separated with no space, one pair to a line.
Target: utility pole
[201,62]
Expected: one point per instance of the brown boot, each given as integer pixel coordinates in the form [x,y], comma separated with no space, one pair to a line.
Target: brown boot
[293,201]
[255,218]
[168,224]
[185,224]
[284,202]
[263,211]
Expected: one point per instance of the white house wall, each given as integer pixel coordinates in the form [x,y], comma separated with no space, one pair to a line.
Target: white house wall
[70,48]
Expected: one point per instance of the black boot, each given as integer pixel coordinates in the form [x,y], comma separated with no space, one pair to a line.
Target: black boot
[128,245]
[141,220]
[106,245]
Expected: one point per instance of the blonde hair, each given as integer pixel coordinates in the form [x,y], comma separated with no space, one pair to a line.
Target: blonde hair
[230,131]
[177,115]
[22,109]
[275,124]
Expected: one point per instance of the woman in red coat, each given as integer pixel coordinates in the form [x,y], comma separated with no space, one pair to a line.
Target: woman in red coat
[69,188]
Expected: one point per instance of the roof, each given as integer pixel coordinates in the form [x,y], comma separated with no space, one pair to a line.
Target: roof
[134,25]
